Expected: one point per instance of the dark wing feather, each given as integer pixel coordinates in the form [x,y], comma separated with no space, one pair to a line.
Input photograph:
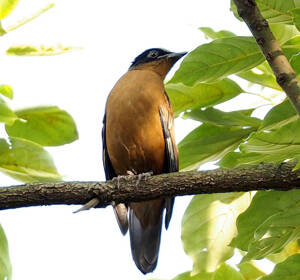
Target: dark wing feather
[120,209]
[108,168]
[171,156]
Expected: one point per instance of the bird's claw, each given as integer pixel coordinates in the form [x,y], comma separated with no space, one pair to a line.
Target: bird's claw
[143,176]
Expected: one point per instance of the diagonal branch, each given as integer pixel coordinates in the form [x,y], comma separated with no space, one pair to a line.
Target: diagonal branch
[271,49]
[260,177]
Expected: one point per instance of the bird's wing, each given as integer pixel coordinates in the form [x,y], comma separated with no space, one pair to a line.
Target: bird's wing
[108,168]
[171,153]
[120,209]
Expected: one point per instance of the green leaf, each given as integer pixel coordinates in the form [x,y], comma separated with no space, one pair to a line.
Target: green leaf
[275,11]
[226,272]
[295,63]
[26,161]
[6,7]
[201,95]
[274,234]
[25,50]
[262,75]
[209,142]
[257,213]
[7,91]
[267,146]
[289,269]
[279,116]
[5,265]
[217,117]
[188,276]
[250,271]
[210,33]
[296,19]
[204,222]
[223,57]
[218,59]
[47,126]
[289,250]
[6,114]
[291,47]
[284,32]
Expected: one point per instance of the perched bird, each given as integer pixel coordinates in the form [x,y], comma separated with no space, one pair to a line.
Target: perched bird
[138,137]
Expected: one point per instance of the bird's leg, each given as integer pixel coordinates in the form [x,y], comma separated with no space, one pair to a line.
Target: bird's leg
[120,177]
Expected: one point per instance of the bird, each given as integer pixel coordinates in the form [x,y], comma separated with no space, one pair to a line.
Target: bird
[138,137]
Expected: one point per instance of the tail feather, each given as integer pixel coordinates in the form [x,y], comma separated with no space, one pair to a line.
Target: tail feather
[120,211]
[145,222]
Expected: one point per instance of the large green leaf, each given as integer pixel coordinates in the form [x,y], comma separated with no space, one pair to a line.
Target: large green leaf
[6,114]
[5,265]
[222,57]
[201,95]
[208,225]
[267,146]
[209,142]
[47,126]
[257,213]
[218,59]
[26,161]
[274,234]
[235,118]
[289,270]
[275,11]
[6,7]
[7,91]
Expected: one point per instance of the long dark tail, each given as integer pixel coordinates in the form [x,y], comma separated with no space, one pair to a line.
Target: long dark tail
[145,221]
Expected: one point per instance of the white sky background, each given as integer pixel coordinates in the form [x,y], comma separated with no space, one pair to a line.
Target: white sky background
[51,242]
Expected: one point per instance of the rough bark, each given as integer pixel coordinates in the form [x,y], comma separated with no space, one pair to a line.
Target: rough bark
[285,75]
[261,177]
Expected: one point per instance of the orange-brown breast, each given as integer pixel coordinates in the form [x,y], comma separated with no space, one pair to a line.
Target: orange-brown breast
[134,135]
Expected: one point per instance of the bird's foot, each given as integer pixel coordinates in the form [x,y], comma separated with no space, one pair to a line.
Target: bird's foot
[123,177]
[143,176]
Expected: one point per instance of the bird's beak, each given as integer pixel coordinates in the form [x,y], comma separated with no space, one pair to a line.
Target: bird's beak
[173,56]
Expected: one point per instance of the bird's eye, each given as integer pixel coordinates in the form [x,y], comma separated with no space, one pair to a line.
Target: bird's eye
[153,54]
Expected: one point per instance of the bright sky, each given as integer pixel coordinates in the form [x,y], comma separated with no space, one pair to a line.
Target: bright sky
[50,242]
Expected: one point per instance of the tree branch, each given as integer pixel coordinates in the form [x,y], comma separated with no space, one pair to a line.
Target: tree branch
[260,177]
[285,75]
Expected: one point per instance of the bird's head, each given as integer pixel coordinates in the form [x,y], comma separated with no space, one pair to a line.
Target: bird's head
[158,60]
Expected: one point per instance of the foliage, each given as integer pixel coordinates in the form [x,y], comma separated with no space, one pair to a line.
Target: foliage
[214,226]
[22,153]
